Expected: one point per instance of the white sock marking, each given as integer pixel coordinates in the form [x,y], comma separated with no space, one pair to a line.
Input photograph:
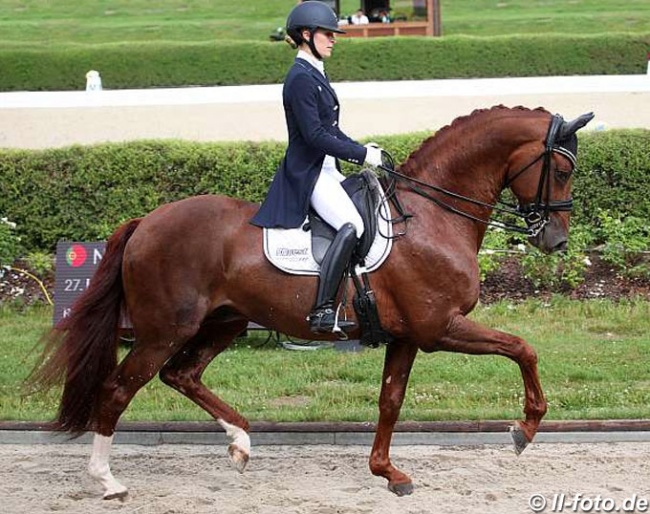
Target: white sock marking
[98,466]
[238,436]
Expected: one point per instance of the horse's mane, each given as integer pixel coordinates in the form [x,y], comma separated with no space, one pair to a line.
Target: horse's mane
[432,143]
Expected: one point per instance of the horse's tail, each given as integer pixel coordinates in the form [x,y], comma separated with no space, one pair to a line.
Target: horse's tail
[81,351]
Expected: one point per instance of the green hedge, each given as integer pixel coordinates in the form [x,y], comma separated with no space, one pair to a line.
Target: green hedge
[84,192]
[168,64]
[614,174]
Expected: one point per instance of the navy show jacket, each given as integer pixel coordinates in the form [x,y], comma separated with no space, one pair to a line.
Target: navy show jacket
[312,114]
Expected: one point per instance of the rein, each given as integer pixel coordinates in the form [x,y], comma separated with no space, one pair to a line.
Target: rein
[535,215]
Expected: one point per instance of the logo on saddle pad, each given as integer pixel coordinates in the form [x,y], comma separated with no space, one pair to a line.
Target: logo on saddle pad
[292,252]
[298,251]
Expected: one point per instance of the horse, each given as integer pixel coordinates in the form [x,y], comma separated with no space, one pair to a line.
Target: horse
[191,275]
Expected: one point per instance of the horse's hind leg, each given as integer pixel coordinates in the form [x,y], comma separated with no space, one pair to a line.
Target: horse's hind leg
[135,370]
[183,372]
[465,336]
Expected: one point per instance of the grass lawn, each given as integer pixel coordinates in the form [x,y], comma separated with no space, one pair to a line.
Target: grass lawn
[593,364]
[46,23]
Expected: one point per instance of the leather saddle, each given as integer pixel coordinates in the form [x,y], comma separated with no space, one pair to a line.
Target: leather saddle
[364,190]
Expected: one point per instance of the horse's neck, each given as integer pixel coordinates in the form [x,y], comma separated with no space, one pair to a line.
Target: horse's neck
[467,164]
[470,164]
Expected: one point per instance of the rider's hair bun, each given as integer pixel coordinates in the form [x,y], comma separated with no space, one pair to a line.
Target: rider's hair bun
[291,42]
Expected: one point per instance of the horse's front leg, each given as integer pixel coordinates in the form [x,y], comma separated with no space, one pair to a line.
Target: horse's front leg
[397,368]
[465,336]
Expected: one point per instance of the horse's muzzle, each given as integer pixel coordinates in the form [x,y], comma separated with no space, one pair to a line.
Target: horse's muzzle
[554,237]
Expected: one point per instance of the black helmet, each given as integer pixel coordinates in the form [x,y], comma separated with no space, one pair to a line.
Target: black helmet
[311,15]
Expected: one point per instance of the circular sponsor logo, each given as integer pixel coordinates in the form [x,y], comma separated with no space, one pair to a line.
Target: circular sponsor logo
[76,256]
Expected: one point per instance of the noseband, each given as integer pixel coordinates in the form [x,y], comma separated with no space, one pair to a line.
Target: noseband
[536,215]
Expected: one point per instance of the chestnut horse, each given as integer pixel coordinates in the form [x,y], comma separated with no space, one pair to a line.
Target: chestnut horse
[192,274]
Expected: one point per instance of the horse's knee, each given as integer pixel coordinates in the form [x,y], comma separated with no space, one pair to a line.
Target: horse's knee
[527,355]
[521,352]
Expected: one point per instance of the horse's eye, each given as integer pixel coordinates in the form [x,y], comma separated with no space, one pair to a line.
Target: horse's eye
[562,175]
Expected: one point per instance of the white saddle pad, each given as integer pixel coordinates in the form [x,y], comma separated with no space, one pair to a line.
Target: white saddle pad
[290,249]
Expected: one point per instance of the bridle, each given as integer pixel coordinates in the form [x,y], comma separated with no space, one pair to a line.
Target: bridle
[536,215]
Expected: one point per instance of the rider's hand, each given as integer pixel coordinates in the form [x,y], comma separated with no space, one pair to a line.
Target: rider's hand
[373,155]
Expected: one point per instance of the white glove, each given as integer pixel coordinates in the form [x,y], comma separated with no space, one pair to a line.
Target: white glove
[373,155]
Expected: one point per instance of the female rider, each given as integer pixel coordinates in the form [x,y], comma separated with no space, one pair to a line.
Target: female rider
[309,172]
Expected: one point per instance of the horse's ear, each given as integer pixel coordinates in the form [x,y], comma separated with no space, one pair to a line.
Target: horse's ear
[571,127]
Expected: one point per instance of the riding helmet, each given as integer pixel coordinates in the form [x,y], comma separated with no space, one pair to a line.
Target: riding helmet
[311,15]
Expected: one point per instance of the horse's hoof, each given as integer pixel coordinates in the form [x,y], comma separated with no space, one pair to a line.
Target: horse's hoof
[518,438]
[238,457]
[403,489]
[117,495]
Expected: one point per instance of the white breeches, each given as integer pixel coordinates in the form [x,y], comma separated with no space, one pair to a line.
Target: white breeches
[332,203]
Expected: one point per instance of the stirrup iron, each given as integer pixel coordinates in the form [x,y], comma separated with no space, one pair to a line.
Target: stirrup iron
[336,329]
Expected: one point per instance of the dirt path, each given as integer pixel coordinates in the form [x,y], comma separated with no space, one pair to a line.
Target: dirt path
[179,479]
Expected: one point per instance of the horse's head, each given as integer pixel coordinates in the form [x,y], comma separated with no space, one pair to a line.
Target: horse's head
[540,174]
[472,160]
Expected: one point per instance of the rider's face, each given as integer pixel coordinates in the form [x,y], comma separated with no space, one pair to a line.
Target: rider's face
[324,41]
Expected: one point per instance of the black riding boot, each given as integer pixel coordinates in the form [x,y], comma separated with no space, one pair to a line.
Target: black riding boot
[336,259]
